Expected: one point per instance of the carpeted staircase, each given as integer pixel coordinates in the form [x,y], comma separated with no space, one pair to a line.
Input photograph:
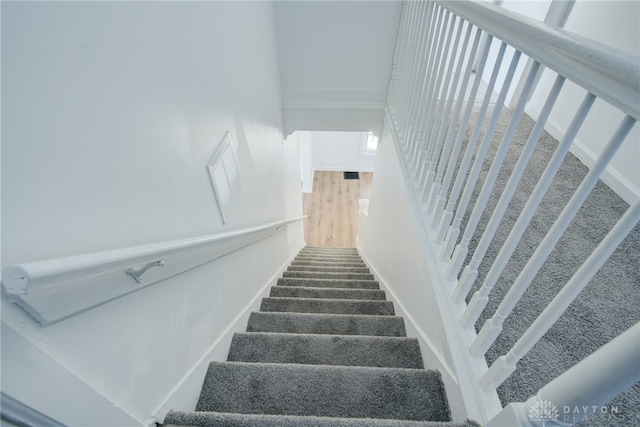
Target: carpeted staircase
[325,349]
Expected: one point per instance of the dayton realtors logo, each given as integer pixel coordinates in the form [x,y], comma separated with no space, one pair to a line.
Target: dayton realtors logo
[543,411]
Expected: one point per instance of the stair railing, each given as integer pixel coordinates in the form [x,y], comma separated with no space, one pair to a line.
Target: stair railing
[52,290]
[435,90]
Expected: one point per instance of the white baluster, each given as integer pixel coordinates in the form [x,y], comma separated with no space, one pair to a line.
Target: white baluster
[496,164]
[429,15]
[398,57]
[413,34]
[505,365]
[481,297]
[444,187]
[485,338]
[425,17]
[453,230]
[432,117]
[426,110]
[448,124]
[471,270]
[443,80]
[598,378]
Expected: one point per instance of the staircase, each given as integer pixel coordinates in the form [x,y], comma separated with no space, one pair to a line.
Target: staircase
[325,349]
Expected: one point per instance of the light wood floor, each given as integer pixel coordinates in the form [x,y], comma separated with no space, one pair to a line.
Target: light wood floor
[332,208]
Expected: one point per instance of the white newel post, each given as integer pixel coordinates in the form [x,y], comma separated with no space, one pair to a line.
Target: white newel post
[584,389]
[363,212]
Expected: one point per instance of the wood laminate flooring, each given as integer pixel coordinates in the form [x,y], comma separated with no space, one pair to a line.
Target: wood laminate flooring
[332,208]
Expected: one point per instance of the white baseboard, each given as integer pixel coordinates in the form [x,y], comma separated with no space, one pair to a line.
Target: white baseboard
[432,357]
[182,395]
[611,177]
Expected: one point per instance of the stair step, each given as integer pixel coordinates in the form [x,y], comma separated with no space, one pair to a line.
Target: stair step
[329,391]
[337,324]
[329,257]
[326,293]
[317,250]
[329,306]
[319,275]
[329,263]
[222,419]
[327,249]
[329,254]
[328,283]
[390,352]
[328,269]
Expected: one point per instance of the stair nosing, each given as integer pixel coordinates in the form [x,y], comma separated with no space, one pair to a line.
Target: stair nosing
[328,299]
[286,313]
[370,337]
[302,366]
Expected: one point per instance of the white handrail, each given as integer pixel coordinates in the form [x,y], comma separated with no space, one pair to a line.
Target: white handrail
[430,160]
[29,283]
[610,74]
[582,389]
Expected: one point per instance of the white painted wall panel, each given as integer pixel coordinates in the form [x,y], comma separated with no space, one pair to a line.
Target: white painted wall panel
[393,248]
[342,151]
[614,23]
[110,114]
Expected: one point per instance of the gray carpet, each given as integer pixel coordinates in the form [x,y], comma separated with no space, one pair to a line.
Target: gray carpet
[609,305]
[215,419]
[322,352]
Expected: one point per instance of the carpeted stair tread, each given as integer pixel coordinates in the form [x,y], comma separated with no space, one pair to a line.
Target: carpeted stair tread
[325,349]
[306,252]
[321,275]
[390,352]
[330,391]
[310,292]
[335,259]
[337,324]
[328,269]
[223,419]
[328,248]
[330,306]
[328,283]
[335,255]
[314,262]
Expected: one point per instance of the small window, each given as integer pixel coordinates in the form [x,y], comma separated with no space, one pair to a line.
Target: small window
[370,144]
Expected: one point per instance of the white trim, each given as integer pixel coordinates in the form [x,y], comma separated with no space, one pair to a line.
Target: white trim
[422,335]
[55,289]
[332,117]
[608,73]
[224,174]
[342,169]
[452,386]
[480,405]
[611,177]
[39,384]
[181,396]
[14,411]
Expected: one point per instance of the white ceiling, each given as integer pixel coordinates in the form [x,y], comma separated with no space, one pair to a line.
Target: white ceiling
[336,52]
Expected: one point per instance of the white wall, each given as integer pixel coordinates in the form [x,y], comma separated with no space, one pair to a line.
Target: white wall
[335,62]
[336,52]
[395,251]
[110,114]
[614,23]
[532,9]
[305,141]
[331,151]
[342,151]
